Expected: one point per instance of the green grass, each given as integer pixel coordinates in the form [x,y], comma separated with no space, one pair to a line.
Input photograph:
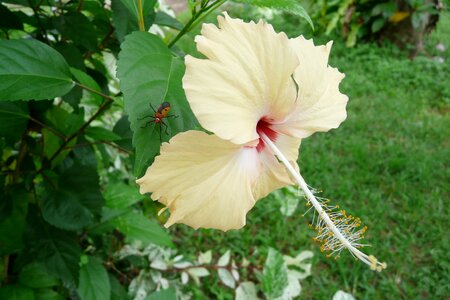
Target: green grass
[387,164]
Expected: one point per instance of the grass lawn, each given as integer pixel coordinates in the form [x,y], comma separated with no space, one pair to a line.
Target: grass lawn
[387,164]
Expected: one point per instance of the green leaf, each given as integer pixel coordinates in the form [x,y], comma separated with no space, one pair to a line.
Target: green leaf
[8,19]
[378,24]
[167,294]
[353,35]
[246,291]
[13,119]
[14,206]
[35,275]
[132,6]
[290,6]
[124,22]
[122,128]
[121,195]
[30,69]
[77,27]
[94,282]
[101,134]
[47,294]
[137,227]
[88,81]
[16,292]
[118,292]
[275,276]
[76,200]
[164,19]
[71,54]
[63,121]
[56,249]
[150,74]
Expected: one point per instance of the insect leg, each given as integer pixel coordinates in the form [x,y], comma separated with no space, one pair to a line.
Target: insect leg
[152,107]
[167,127]
[146,117]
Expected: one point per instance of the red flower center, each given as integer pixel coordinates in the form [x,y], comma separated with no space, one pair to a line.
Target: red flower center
[263,126]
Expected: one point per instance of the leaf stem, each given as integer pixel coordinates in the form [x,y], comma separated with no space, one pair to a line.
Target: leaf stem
[141,16]
[195,19]
[93,91]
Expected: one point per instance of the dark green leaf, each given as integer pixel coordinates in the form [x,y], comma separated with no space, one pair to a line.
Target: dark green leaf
[88,81]
[47,294]
[76,200]
[77,27]
[58,250]
[51,142]
[94,282]
[71,54]
[164,19]
[13,119]
[118,292]
[275,277]
[8,19]
[35,275]
[14,206]
[132,6]
[122,128]
[121,195]
[16,292]
[137,227]
[74,97]
[150,74]
[124,22]
[30,69]
[167,294]
[63,121]
[101,134]
[290,6]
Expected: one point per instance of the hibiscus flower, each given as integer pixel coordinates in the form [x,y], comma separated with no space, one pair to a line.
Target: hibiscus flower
[259,93]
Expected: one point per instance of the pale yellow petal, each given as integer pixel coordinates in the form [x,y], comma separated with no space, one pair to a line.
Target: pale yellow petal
[246,76]
[274,175]
[203,180]
[320,104]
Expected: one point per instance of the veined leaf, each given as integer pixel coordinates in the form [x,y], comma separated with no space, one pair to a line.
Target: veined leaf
[121,195]
[94,282]
[13,119]
[150,74]
[76,201]
[35,275]
[275,275]
[77,27]
[30,69]
[137,227]
[56,249]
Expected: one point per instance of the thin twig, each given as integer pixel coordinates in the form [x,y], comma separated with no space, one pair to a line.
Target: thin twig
[55,132]
[96,143]
[104,106]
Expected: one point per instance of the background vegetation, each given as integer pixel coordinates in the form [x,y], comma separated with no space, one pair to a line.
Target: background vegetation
[72,224]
